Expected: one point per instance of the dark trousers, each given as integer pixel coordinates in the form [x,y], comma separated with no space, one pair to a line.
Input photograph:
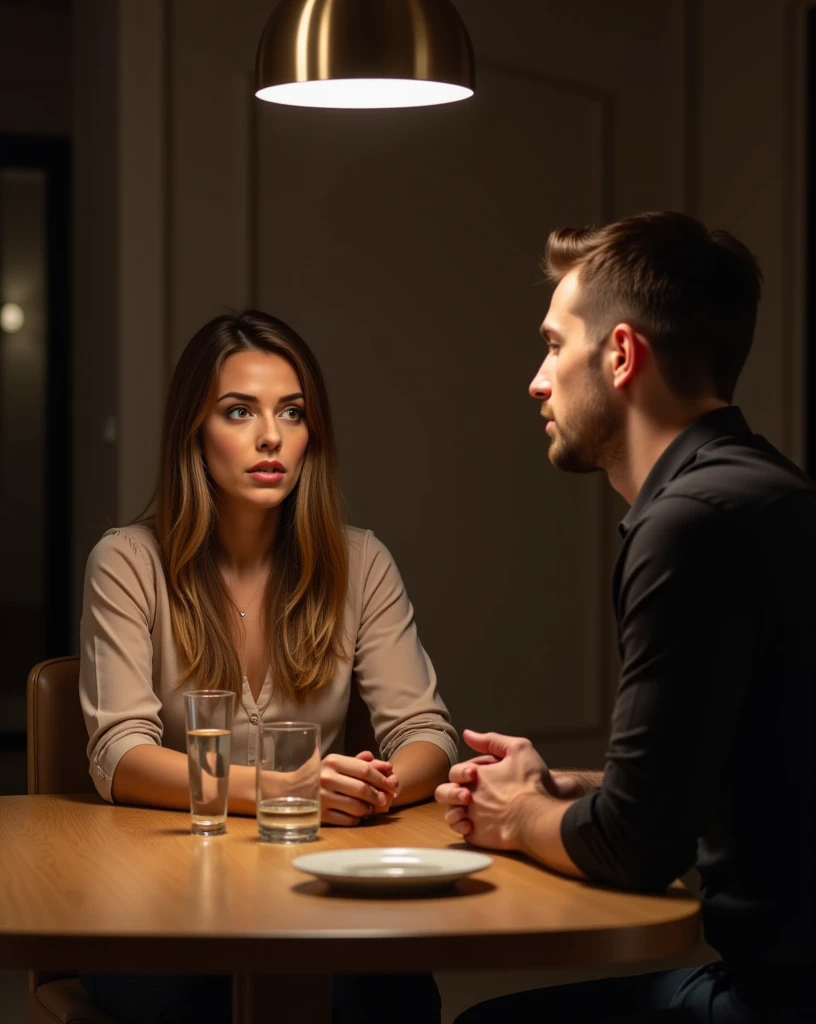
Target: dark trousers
[207,998]
[699,995]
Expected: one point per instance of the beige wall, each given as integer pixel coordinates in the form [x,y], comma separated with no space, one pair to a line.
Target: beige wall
[403,245]
[97,243]
[748,176]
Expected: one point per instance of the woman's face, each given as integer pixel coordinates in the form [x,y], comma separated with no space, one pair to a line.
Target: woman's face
[255,435]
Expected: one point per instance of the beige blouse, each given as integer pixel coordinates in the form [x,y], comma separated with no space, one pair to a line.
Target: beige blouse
[130,666]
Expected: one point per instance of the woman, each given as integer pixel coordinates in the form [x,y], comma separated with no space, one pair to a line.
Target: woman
[246,579]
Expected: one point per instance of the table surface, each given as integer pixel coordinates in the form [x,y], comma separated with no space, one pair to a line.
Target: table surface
[88,885]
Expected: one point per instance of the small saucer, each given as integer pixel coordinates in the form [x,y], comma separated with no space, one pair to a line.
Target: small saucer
[381,869]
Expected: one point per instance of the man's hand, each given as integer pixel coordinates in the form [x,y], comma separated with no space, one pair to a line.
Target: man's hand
[486,795]
[351,788]
[507,799]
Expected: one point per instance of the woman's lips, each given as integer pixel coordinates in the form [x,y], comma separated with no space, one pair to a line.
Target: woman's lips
[267,476]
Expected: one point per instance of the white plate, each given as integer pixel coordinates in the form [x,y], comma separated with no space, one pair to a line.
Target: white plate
[392,868]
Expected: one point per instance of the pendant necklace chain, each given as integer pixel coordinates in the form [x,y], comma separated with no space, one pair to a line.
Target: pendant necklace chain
[242,612]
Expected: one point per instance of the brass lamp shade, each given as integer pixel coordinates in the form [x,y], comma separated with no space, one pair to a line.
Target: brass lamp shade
[364,53]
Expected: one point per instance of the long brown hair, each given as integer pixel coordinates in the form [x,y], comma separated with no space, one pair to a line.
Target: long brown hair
[306,593]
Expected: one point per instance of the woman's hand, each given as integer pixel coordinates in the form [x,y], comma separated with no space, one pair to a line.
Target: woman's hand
[352,788]
[387,769]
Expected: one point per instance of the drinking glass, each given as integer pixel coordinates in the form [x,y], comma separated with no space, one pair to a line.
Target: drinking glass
[209,732]
[288,782]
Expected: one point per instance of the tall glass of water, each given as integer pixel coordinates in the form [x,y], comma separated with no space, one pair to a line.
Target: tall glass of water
[209,732]
[288,782]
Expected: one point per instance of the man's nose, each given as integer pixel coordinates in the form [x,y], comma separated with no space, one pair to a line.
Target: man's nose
[540,386]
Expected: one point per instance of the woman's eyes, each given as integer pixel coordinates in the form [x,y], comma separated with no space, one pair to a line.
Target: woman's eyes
[240,412]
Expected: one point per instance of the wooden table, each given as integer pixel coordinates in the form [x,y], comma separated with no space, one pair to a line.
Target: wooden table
[88,886]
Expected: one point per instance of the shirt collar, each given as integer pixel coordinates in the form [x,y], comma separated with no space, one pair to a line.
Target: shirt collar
[724,422]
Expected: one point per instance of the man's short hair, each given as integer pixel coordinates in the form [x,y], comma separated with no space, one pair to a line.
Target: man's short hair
[693,293]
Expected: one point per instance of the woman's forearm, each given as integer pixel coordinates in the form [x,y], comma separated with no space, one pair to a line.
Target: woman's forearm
[154,776]
[420,768]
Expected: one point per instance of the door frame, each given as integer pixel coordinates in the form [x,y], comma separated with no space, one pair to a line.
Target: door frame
[53,157]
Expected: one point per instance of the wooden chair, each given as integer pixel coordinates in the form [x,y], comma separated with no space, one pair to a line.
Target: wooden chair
[57,763]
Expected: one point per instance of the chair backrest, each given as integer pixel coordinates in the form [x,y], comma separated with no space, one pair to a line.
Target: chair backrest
[56,742]
[57,737]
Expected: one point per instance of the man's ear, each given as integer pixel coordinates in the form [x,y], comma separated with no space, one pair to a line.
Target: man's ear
[629,354]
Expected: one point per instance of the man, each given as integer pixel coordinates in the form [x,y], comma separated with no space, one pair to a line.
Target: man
[710,756]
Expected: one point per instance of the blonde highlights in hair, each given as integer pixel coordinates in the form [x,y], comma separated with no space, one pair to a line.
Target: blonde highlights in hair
[307,588]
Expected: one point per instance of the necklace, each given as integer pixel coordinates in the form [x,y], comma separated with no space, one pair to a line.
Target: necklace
[242,611]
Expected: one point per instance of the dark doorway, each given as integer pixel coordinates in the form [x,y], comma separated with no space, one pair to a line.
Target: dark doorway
[810,268]
[35,445]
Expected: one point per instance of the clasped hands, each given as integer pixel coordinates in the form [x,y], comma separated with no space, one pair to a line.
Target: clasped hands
[352,788]
[490,797]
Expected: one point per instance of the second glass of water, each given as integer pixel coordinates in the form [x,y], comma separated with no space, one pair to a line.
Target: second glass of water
[288,782]
[209,734]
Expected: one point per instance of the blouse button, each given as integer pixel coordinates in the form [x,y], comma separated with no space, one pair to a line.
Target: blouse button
[254,719]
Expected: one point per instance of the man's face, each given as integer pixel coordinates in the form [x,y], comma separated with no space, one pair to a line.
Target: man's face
[583,420]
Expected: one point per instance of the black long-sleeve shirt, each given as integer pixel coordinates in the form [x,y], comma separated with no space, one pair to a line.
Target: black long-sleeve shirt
[710,758]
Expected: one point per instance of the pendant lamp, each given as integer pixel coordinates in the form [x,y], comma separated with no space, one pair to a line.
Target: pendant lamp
[364,54]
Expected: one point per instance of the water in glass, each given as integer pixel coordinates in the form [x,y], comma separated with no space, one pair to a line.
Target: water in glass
[208,752]
[288,819]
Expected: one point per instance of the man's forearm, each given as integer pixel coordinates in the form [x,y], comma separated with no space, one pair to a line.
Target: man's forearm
[576,782]
[539,833]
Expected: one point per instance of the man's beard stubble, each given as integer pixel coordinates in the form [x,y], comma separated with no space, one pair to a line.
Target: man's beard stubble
[592,440]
